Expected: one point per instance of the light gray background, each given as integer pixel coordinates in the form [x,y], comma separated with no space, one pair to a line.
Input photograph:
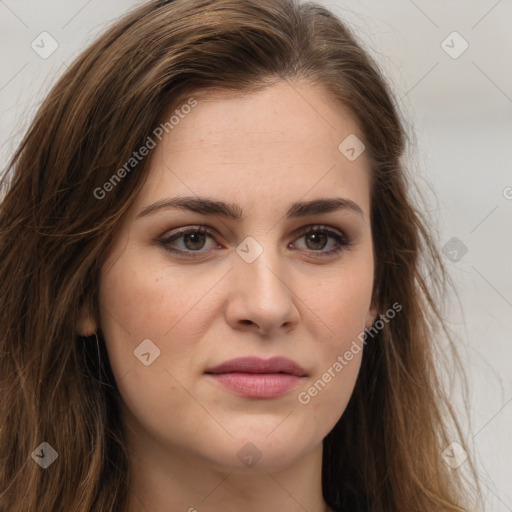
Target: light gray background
[461,111]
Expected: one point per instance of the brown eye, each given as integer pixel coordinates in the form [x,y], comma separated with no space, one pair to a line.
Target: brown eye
[317,239]
[192,240]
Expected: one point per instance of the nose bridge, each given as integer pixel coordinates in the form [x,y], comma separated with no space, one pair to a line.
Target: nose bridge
[261,262]
[262,283]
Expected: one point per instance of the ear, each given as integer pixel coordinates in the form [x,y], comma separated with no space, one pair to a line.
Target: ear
[370,317]
[86,326]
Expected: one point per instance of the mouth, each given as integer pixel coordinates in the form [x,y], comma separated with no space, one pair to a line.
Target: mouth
[258,378]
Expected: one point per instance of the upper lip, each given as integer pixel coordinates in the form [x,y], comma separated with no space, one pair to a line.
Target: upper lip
[256,365]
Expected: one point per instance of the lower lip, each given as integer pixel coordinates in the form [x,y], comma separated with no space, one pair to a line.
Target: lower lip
[258,385]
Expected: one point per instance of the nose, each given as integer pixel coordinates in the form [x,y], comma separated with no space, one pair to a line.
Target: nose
[261,295]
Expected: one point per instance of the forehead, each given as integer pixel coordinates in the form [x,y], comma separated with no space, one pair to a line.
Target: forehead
[280,142]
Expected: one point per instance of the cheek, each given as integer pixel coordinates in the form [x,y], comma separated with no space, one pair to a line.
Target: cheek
[341,302]
[341,305]
[142,300]
[326,397]
[326,394]
[139,303]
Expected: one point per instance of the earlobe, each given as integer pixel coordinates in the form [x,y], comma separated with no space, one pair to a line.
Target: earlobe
[86,326]
[370,317]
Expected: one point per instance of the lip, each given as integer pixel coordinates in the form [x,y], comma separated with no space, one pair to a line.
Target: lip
[258,378]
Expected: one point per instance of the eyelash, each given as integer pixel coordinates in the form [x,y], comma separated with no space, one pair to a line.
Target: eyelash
[343,243]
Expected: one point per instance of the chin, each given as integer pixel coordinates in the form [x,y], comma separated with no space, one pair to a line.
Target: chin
[262,451]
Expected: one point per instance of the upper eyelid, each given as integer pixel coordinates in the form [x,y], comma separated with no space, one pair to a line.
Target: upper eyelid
[207,230]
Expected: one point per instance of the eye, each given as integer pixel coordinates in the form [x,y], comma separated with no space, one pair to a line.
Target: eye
[193,239]
[317,238]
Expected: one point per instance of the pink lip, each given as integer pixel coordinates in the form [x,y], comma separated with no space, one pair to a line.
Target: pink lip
[258,378]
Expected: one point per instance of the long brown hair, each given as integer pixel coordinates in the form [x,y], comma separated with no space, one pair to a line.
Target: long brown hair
[384,454]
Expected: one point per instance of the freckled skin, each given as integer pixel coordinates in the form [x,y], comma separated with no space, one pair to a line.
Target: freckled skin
[263,152]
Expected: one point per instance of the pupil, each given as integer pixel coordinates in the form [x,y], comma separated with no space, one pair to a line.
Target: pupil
[317,236]
[192,236]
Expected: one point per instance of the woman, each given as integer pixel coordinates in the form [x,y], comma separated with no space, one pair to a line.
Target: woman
[211,270]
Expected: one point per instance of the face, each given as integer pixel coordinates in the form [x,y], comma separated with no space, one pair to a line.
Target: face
[271,280]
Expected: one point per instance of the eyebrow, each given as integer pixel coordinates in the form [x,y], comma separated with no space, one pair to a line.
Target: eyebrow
[233,211]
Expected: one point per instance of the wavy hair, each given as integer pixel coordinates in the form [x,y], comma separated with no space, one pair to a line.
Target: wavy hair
[385,452]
